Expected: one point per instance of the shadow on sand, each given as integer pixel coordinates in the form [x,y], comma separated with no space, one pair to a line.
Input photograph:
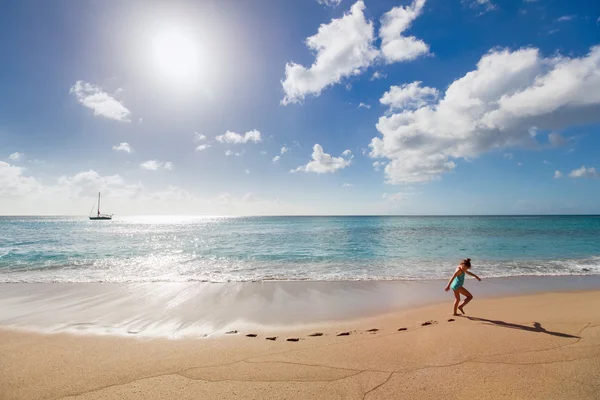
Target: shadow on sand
[537,327]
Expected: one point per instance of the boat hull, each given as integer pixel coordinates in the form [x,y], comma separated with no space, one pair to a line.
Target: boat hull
[100,218]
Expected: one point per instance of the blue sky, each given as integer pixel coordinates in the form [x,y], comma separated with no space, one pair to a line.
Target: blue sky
[373,107]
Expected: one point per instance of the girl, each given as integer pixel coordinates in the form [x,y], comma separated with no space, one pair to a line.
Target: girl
[456,283]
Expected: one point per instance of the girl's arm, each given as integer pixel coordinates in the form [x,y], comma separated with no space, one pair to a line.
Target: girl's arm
[458,270]
[472,274]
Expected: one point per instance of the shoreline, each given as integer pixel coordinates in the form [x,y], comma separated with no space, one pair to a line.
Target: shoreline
[535,346]
[172,310]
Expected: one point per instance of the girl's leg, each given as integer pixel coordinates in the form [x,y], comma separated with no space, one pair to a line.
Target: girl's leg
[456,301]
[466,301]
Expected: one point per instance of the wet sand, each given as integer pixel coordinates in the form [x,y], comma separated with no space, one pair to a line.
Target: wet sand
[197,309]
[537,346]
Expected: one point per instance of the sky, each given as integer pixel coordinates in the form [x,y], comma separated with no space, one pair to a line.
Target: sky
[269,107]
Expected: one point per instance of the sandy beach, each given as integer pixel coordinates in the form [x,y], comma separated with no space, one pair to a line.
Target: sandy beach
[536,346]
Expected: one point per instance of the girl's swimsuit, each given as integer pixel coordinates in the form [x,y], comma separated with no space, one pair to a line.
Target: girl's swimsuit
[458,281]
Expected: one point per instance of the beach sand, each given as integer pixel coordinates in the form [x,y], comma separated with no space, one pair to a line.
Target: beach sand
[539,346]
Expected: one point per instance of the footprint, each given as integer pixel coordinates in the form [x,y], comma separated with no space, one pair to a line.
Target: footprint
[402,329]
[373,330]
[272,338]
[451,320]
[292,339]
[231,332]
[316,334]
[251,335]
[343,334]
[428,323]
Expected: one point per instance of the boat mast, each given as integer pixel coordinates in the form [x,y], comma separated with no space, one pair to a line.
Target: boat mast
[98,203]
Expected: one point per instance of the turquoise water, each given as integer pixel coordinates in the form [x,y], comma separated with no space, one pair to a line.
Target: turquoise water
[216,249]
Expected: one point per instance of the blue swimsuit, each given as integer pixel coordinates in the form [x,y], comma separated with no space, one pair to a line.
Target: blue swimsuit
[458,281]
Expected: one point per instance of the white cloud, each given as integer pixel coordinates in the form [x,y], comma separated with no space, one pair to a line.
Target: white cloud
[13,183]
[330,3]
[323,163]
[283,150]
[199,137]
[378,75]
[263,153]
[504,102]
[508,156]
[519,164]
[397,197]
[363,105]
[556,139]
[546,162]
[487,5]
[89,183]
[409,96]
[202,147]
[584,172]
[347,185]
[123,147]
[236,138]
[378,164]
[93,97]
[231,153]
[16,156]
[557,174]
[247,172]
[21,195]
[394,46]
[154,165]
[566,18]
[346,153]
[343,47]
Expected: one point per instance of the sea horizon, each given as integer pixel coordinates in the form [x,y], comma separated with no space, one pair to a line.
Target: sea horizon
[311,215]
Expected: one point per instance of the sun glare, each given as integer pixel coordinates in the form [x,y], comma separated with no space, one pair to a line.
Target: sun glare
[175,56]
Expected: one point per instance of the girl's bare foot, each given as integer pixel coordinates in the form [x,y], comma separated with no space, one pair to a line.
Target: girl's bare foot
[456,315]
[461,310]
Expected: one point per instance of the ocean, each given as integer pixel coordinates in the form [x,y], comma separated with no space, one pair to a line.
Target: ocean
[250,249]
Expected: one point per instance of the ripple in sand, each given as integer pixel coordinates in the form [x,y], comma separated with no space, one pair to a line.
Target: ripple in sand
[373,330]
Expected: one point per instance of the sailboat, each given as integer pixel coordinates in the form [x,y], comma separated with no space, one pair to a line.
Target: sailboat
[98,215]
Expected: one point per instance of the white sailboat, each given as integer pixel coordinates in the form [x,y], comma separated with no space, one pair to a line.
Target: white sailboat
[98,215]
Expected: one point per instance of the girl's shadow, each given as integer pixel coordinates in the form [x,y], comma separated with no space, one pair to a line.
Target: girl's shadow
[537,327]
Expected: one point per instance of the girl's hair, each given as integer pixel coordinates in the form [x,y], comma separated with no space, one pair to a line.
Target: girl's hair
[466,262]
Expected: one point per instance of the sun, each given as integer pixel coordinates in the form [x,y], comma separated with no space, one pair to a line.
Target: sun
[175,56]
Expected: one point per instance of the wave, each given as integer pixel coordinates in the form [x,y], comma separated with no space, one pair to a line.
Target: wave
[182,269]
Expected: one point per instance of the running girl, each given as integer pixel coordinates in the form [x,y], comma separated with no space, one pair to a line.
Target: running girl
[456,283]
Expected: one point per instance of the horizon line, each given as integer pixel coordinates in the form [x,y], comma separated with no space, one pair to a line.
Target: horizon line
[314,215]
